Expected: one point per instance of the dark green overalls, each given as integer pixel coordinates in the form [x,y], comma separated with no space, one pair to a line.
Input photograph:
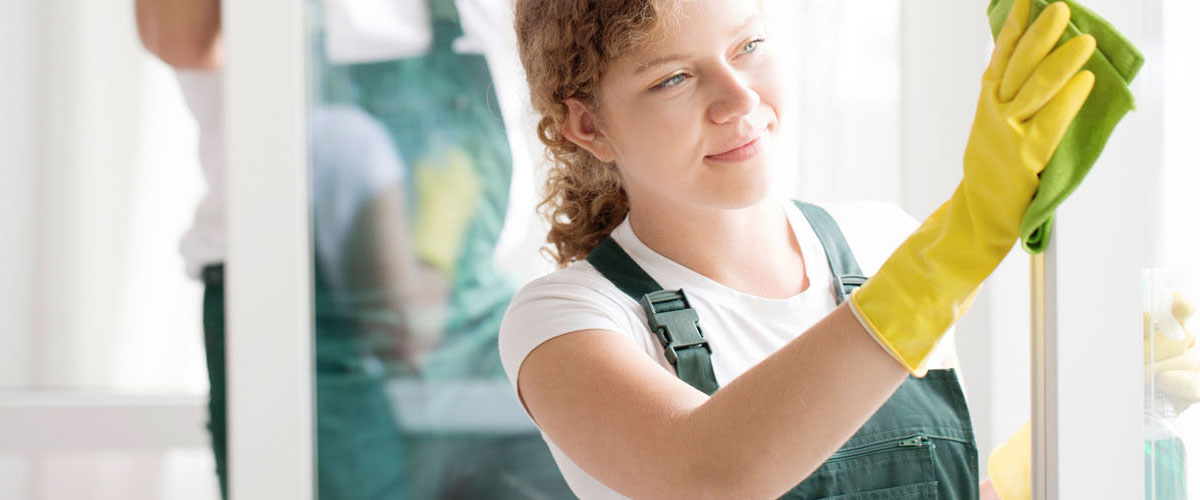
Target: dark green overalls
[919,445]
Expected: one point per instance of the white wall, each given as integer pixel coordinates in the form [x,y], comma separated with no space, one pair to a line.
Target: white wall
[18,138]
[18,97]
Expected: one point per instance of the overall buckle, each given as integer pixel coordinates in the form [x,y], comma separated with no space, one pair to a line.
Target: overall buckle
[674,322]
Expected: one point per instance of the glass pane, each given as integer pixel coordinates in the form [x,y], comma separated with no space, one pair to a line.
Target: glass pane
[415,253]
[1171,280]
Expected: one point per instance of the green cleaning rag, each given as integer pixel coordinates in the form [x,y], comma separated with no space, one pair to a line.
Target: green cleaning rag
[1115,63]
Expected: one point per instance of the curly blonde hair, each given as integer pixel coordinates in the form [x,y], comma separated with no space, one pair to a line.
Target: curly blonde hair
[565,46]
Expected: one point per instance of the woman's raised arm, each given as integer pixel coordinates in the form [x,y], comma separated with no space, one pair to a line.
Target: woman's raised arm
[647,434]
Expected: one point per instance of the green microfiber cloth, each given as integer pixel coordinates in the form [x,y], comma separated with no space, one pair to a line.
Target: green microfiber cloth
[1115,63]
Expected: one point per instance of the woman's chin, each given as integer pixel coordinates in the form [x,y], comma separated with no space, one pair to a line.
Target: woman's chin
[743,192]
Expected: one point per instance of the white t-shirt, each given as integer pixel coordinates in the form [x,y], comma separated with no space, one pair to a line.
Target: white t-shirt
[204,243]
[741,329]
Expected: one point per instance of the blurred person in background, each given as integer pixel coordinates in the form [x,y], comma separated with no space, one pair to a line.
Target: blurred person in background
[405,283]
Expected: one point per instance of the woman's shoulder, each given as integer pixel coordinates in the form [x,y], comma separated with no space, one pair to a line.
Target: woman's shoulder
[578,281]
[567,300]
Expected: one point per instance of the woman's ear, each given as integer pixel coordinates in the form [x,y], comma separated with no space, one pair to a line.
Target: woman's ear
[581,129]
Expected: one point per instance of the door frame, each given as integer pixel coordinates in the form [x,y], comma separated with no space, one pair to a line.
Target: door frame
[269,345]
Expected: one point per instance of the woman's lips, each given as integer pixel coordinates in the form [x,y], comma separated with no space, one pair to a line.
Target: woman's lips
[740,153]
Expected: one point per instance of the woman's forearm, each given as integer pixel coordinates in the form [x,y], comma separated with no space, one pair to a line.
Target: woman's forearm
[183,33]
[781,419]
[645,433]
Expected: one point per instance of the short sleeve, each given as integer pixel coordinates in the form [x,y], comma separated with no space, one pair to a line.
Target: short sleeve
[568,300]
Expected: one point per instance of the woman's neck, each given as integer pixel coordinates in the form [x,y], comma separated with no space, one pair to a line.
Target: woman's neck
[751,250]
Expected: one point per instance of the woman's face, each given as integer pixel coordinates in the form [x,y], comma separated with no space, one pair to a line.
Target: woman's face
[692,115]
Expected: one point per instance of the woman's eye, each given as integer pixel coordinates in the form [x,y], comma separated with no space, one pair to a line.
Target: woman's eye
[752,45]
[672,81]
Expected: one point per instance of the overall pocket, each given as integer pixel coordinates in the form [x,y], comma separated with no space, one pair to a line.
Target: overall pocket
[888,468]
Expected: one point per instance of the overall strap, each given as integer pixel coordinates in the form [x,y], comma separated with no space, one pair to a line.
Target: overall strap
[668,313]
[447,27]
[846,274]
[676,324]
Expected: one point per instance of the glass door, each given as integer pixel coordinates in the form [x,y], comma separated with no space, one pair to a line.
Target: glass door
[1170,274]
[411,125]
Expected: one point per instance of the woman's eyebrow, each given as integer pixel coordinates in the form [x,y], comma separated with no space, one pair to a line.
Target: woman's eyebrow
[642,67]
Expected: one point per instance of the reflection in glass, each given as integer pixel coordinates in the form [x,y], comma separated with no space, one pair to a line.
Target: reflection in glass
[1171,280]
[1172,359]
[411,174]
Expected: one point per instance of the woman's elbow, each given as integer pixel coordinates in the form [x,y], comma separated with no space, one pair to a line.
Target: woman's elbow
[185,53]
[179,46]
[191,56]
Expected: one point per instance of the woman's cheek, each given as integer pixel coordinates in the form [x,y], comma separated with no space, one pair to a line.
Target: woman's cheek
[671,125]
[769,83]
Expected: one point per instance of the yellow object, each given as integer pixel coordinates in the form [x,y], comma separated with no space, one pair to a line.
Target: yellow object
[447,193]
[1182,385]
[1189,361]
[1030,96]
[1008,465]
[1166,347]
[1181,307]
[1176,362]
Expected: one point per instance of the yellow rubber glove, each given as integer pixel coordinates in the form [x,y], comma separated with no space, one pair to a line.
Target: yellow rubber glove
[1030,96]
[448,192]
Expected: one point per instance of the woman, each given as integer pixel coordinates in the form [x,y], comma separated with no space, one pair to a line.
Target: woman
[660,116]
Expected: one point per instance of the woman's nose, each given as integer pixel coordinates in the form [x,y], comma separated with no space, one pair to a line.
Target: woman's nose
[732,98]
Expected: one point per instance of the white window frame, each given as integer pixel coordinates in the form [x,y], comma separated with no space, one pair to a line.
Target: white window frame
[1087,386]
[268,273]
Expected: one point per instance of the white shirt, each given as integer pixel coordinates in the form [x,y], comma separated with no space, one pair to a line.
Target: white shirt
[742,329]
[204,242]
